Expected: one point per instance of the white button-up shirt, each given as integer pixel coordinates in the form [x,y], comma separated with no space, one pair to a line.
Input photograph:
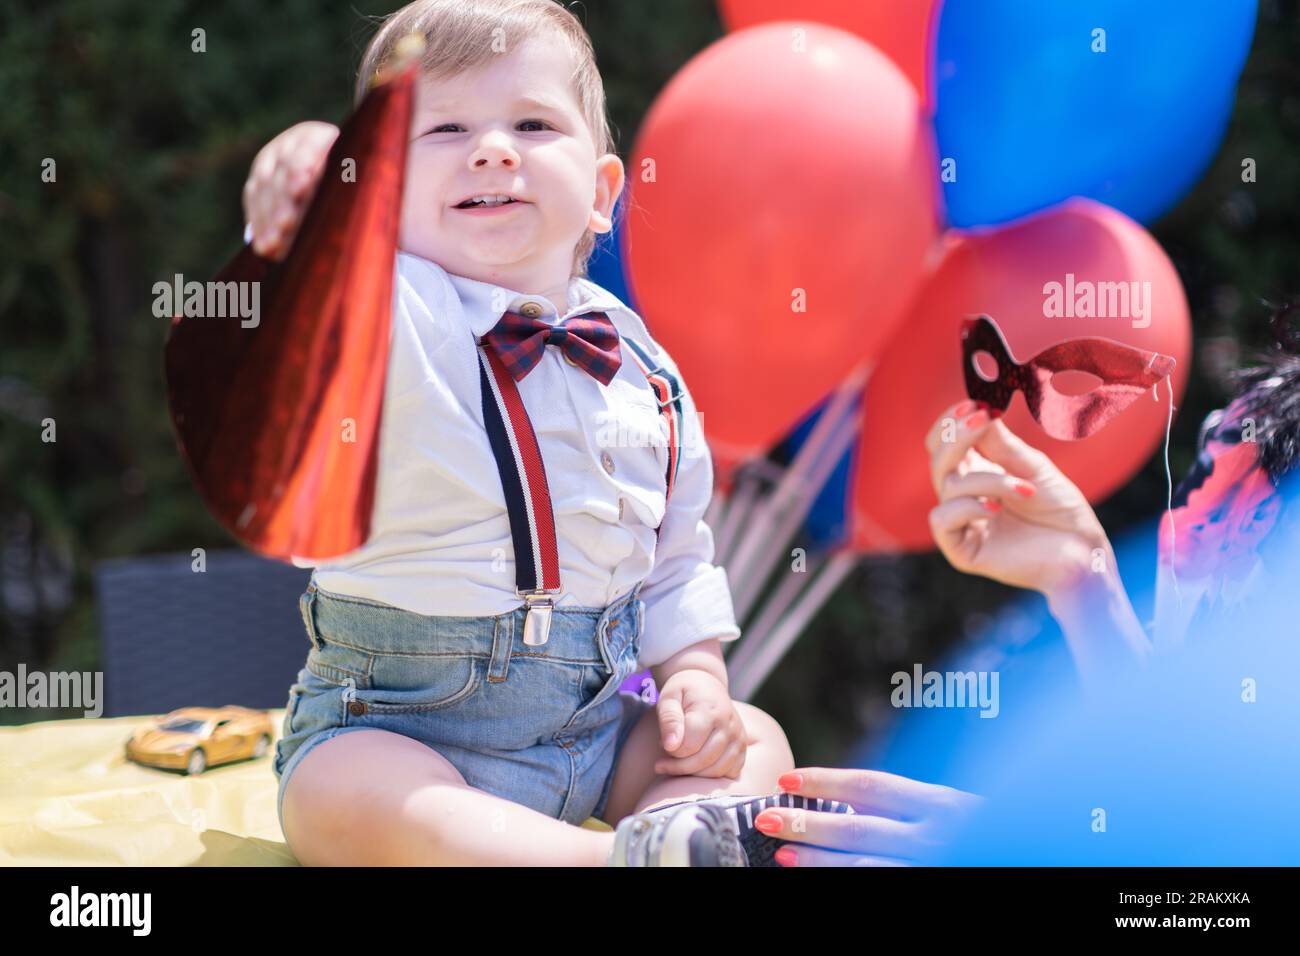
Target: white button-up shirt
[440,537]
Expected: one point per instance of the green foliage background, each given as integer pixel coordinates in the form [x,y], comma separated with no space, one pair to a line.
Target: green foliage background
[152,143]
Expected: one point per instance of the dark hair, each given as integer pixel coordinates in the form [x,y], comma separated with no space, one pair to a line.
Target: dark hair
[1270,393]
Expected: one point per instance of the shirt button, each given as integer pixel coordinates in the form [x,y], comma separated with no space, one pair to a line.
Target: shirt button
[531,309]
[607,462]
[568,358]
[620,509]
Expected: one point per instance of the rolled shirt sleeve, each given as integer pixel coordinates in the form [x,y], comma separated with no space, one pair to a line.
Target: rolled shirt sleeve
[687,597]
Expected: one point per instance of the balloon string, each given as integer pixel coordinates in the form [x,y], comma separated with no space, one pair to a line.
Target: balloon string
[1169,485]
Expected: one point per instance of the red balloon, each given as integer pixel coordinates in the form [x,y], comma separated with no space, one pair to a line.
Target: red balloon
[1036,278]
[903,31]
[785,200]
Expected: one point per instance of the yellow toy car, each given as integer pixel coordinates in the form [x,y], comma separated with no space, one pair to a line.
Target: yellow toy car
[195,738]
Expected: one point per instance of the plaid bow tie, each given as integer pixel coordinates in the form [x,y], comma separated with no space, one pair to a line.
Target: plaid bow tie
[589,340]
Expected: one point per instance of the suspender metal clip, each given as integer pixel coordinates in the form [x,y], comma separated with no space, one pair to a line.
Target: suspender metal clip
[671,398]
[537,619]
[659,370]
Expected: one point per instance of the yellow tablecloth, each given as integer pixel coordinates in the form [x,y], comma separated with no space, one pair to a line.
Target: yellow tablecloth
[69,797]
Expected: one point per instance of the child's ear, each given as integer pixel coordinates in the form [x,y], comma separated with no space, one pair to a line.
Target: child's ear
[609,186]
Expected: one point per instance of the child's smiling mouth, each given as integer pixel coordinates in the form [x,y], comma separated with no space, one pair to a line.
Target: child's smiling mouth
[499,209]
[488,201]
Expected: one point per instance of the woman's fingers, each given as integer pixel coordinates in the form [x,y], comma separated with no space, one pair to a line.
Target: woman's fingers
[899,820]
[990,484]
[846,832]
[875,791]
[948,418]
[950,523]
[1000,445]
[955,439]
[820,856]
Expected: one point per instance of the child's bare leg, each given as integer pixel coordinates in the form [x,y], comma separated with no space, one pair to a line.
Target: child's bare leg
[636,786]
[374,798]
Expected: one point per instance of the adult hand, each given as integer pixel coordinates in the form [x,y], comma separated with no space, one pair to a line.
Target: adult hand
[897,823]
[1008,513]
[1005,510]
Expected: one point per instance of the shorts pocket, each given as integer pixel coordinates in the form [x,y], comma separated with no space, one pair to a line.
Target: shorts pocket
[409,685]
[314,705]
[286,726]
[295,696]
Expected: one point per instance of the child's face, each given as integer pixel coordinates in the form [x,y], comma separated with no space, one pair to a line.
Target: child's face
[473,134]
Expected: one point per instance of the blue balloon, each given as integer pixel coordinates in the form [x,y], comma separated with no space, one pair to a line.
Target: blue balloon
[605,268]
[1121,101]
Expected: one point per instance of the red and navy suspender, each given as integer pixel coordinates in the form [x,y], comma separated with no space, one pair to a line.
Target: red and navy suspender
[523,478]
[668,395]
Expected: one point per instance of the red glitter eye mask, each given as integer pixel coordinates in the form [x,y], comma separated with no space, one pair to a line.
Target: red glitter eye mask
[1125,373]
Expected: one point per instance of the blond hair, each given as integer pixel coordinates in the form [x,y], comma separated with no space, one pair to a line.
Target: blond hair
[460,35]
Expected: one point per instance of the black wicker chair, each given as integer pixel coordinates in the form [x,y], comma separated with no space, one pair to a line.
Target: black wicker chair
[174,637]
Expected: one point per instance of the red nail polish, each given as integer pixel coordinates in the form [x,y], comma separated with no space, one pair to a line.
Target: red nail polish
[976,419]
[786,856]
[768,823]
[992,505]
[1026,489]
[790,781]
[965,408]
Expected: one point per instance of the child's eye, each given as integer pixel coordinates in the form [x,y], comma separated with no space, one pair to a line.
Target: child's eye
[448,127]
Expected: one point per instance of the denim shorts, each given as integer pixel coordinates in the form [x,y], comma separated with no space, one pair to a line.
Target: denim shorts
[542,726]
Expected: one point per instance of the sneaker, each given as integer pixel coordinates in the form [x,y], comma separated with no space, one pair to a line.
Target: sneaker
[689,833]
[741,811]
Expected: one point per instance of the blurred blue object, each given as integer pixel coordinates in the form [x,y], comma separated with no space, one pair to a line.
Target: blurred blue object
[1193,760]
[605,268]
[1172,767]
[1031,115]
[1024,645]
